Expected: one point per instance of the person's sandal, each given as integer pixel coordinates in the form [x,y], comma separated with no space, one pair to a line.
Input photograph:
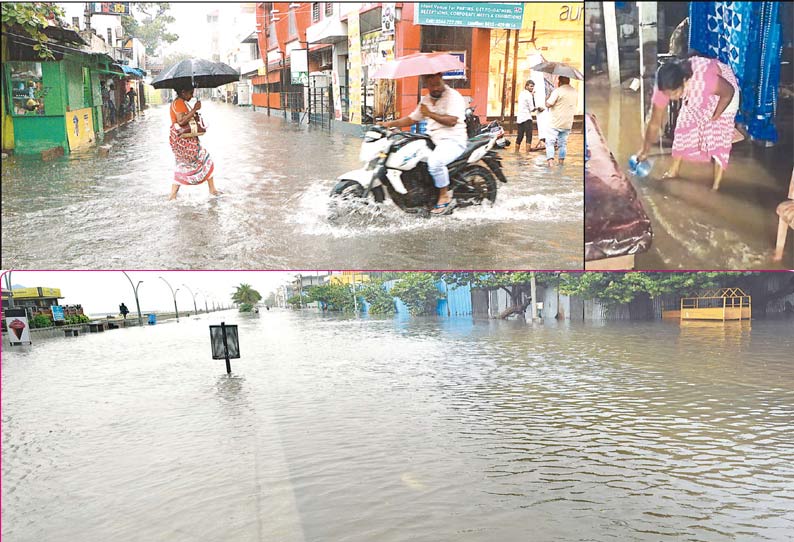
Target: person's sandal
[441,209]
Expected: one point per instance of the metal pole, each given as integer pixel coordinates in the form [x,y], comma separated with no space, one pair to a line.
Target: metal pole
[226,349]
[504,74]
[195,310]
[173,293]
[135,291]
[10,291]
[515,76]
[611,38]
[355,300]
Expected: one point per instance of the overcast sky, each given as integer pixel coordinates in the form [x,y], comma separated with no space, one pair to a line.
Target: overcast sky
[102,291]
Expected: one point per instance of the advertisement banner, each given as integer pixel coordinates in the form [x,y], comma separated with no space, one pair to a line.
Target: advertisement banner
[57,313]
[50,292]
[470,14]
[110,8]
[354,75]
[18,330]
[299,66]
[337,96]
[25,292]
[387,18]
[80,128]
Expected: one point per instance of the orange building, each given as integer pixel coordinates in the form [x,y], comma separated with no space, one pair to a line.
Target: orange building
[346,43]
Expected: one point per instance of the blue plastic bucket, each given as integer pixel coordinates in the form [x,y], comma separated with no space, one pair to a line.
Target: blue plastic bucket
[639,169]
[152,319]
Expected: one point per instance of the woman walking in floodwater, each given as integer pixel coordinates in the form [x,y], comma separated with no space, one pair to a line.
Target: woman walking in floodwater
[193,162]
[705,126]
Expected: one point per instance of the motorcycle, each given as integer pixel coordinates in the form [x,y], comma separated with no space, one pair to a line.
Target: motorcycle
[395,163]
[474,128]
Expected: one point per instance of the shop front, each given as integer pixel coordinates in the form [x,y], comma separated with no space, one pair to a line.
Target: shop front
[553,30]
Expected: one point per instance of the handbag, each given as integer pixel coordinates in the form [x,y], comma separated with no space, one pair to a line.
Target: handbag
[194,128]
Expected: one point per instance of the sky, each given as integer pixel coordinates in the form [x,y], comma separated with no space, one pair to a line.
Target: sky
[101,292]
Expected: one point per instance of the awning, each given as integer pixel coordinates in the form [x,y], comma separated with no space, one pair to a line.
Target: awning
[59,33]
[135,72]
[327,31]
[251,38]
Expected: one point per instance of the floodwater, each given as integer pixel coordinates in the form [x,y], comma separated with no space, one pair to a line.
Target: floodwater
[397,430]
[86,211]
[694,227]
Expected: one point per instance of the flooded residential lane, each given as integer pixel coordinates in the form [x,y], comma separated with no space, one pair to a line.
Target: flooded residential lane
[87,211]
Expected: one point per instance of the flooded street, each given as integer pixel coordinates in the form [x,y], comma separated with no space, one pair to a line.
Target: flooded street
[694,227]
[87,211]
[396,430]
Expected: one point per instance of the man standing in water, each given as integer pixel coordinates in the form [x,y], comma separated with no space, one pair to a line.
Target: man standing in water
[562,104]
[445,111]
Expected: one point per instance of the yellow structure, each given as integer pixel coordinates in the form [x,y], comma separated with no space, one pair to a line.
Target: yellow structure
[722,304]
[349,277]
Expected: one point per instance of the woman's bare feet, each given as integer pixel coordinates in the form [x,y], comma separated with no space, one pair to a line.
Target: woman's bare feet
[174,190]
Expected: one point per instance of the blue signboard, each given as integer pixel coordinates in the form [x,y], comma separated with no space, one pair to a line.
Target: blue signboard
[470,14]
[57,313]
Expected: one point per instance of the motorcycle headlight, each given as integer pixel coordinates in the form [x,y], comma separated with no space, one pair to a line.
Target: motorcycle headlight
[370,150]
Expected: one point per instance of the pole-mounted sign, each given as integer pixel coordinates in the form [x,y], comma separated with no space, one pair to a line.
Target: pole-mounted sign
[225,343]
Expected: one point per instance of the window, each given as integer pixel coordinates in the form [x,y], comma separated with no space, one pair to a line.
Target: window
[329,9]
[110,37]
[315,11]
[76,22]
[445,38]
[292,23]
[272,39]
[27,91]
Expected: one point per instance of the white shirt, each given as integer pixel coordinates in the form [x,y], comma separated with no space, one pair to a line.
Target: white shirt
[451,103]
[526,103]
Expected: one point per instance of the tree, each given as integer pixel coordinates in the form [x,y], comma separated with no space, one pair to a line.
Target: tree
[418,291]
[246,296]
[338,297]
[152,30]
[622,287]
[380,301]
[30,18]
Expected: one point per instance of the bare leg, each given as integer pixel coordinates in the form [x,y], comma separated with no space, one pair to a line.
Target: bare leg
[444,196]
[674,169]
[717,176]
[174,190]
[211,185]
[782,230]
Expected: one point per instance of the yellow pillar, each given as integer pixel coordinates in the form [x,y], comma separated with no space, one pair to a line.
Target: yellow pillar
[7,120]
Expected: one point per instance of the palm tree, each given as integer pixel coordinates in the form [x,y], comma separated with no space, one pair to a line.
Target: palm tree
[245,295]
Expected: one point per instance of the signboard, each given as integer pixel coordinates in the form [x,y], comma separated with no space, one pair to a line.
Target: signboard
[354,74]
[18,330]
[50,292]
[25,292]
[299,66]
[57,313]
[110,8]
[80,128]
[337,94]
[387,18]
[457,74]
[232,342]
[470,14]
[273,56]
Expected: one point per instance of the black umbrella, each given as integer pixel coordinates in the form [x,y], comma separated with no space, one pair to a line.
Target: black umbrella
[196,72]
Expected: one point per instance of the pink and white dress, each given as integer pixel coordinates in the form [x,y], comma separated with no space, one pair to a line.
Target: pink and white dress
[698,138]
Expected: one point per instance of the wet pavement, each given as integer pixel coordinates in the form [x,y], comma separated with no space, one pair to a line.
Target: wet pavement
[349,429]
[87,211]
[694,227]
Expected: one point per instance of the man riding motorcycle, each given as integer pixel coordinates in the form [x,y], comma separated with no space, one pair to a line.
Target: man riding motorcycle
[445,111]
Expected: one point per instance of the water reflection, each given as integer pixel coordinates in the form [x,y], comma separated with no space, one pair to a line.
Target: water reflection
[424,429]
[101,212]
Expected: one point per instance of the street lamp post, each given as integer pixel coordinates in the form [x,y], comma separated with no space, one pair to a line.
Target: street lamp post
[173,294]
[195,310]
[135,291]
[10,291]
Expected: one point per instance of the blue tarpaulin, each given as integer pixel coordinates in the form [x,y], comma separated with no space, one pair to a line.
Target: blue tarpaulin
[135,72]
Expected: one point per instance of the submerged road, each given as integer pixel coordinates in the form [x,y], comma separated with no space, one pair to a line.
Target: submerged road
[393,430]
[87,211]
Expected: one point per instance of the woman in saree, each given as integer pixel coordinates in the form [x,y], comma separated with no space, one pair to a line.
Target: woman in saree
[705,126]
[193,162]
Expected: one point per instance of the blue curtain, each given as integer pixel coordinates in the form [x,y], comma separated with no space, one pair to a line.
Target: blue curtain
[747,37]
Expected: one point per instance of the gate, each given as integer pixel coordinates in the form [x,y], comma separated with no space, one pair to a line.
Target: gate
[321,108]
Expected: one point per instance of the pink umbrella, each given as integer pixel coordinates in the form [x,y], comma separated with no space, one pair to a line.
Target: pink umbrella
[418,64]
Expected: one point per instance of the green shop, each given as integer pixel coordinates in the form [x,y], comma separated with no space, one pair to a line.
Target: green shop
[53,103]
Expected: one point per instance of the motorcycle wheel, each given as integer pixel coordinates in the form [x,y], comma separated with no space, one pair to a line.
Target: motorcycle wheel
[349,189]
[483,185]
